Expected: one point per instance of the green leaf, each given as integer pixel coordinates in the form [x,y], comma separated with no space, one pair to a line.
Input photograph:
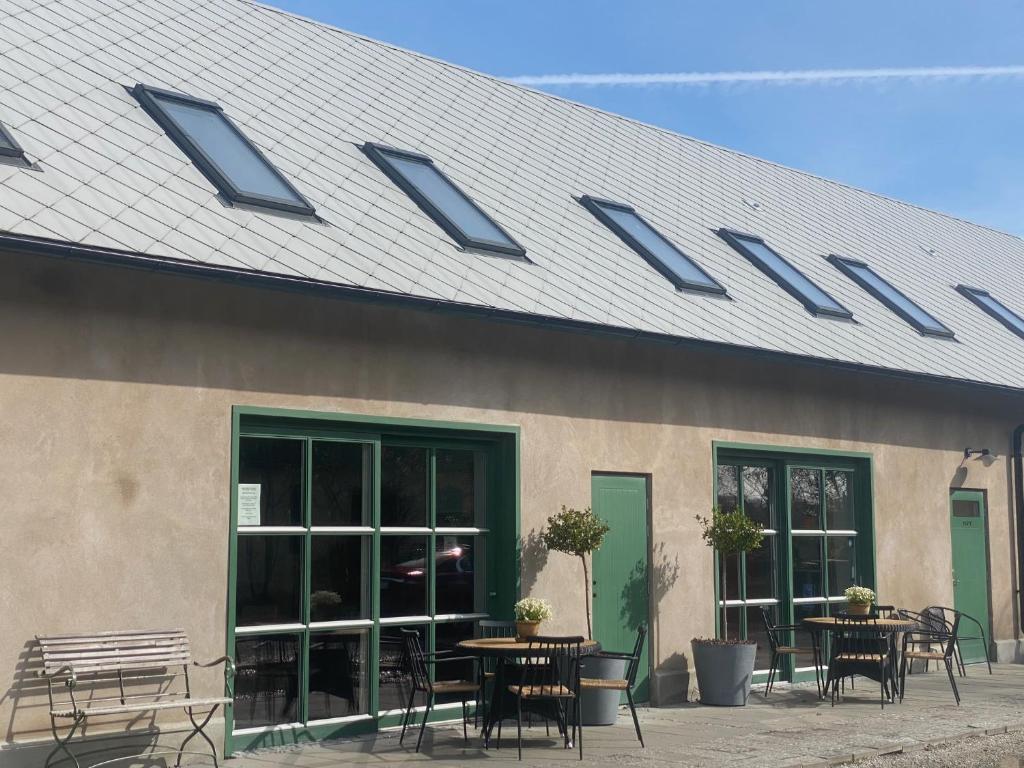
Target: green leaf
[731,532]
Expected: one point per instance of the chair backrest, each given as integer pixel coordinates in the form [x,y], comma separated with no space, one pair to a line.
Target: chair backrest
[553,661]
[490,628]
[115,652]
[884,611]
[638,651]
[769,627]
[859,635]
[416,660]
[954,632]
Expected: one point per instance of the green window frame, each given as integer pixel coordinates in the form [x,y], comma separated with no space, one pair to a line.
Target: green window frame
[492,546]
[790,538]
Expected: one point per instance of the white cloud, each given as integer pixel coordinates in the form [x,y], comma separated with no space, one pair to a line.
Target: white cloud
[780,77]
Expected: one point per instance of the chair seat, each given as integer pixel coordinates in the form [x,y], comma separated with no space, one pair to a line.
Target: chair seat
[488,675]
[931,655]
[860,656]
[541,691]
[604,685]
[455,686]
[791,649]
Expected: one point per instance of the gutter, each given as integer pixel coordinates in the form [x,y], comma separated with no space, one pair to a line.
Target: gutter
[1018,492]
[22,244]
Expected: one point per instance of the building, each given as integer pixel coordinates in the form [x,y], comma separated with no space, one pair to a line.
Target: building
[249,391]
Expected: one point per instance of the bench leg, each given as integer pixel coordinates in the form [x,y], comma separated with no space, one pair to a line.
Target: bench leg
[62,744]
[197,730]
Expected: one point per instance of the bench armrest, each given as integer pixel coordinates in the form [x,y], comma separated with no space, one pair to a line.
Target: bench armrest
[227,661]
[67,669]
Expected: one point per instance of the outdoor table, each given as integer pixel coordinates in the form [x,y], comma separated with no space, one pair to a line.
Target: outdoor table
[506,649]
[818,625]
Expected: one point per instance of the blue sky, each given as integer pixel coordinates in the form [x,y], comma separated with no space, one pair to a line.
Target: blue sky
[951,144]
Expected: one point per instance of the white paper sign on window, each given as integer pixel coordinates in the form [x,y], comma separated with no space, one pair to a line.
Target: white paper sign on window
[249,503]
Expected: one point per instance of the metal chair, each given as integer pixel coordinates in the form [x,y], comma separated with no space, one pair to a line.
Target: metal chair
[928,639]
[780,648]
[857,649]
[945,613]
[626,684]
[419,663]
[552,674]
[489,628]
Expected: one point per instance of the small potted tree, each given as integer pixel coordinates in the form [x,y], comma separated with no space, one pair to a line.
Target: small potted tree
[580,533]
[725,667]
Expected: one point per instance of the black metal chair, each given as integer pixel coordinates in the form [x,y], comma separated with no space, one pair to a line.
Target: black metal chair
[920,644]
[626,684]
[945,613]
[551,674]
[489,628]
[858,649]
[419,664]
[780,648]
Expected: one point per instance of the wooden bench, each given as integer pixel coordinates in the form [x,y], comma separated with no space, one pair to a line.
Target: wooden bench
[104,674]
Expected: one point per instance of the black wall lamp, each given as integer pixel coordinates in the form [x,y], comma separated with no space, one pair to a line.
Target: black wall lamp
[968,452]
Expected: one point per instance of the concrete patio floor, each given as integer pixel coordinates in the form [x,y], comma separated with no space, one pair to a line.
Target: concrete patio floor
[791,728]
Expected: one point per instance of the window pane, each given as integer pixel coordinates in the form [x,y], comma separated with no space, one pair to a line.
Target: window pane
[455,575]
[394,669]
[458,481]
[266,680]
[789,274]
[274,467]
[338,674]
[839,501]
[805,487]
[728,487]
[5,142]
[803,611]
[761,571]
[269,583]
[757,500]
[235,158]
[730,618]
[895,297]
[446,636]
[403,490]
[403,576]
[341,493]
[339,578]
[842,564]
[807,570]
[1000,310]
[657,246]
[756,631]
[433,186]
[963,508]
[730,575]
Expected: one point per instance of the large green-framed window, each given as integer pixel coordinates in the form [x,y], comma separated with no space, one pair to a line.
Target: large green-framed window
[342,535]
[816,508]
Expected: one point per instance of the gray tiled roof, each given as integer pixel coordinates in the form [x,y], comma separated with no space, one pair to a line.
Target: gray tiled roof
[308,95]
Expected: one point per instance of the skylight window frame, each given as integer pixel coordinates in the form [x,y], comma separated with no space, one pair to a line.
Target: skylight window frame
[15,151]
[379,153]
[735,239]
[148,97]
[844,264]
[596,206]
[973,294]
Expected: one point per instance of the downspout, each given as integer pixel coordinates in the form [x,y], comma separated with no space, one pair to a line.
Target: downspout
[1018,489]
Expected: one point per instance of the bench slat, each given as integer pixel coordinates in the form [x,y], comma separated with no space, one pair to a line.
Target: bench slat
[115,650]
[121,709]
[99,636]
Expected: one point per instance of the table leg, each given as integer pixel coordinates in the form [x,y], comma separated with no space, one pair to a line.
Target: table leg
[494,713]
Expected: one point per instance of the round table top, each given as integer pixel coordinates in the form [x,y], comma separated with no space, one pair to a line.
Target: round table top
[830,622]
[510,646]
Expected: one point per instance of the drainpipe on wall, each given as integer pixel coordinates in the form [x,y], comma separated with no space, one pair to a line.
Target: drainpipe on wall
[1018,488]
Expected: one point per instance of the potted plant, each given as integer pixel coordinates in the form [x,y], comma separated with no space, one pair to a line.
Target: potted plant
[859,600]
[529,613]
[580,533]
[725,667]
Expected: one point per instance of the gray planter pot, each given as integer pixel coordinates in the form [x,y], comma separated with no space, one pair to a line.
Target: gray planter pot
[724,672]
[601,707]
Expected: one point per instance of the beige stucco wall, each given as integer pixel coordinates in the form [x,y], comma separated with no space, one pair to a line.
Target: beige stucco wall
[116,388]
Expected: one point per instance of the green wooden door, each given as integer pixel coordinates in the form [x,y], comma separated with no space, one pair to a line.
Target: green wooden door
[970,568]
[620,571]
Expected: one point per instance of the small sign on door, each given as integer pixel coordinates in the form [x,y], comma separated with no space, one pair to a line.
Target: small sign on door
[249,504]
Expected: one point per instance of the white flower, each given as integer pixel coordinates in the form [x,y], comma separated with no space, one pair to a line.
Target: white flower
[533,609]
[859,595]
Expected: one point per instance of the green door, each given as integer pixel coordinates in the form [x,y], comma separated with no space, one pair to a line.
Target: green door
[970,568]
[620,575]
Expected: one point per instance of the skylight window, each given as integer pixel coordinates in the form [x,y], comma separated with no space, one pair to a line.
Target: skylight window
[634,231]
[9,148]
[231,162]
[442,201]
[789,278]
[925,323]
[995,308]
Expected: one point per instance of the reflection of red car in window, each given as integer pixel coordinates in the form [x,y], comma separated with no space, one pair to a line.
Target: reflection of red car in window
[453,568]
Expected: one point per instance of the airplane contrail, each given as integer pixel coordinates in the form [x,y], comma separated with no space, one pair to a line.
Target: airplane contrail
[778,77]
